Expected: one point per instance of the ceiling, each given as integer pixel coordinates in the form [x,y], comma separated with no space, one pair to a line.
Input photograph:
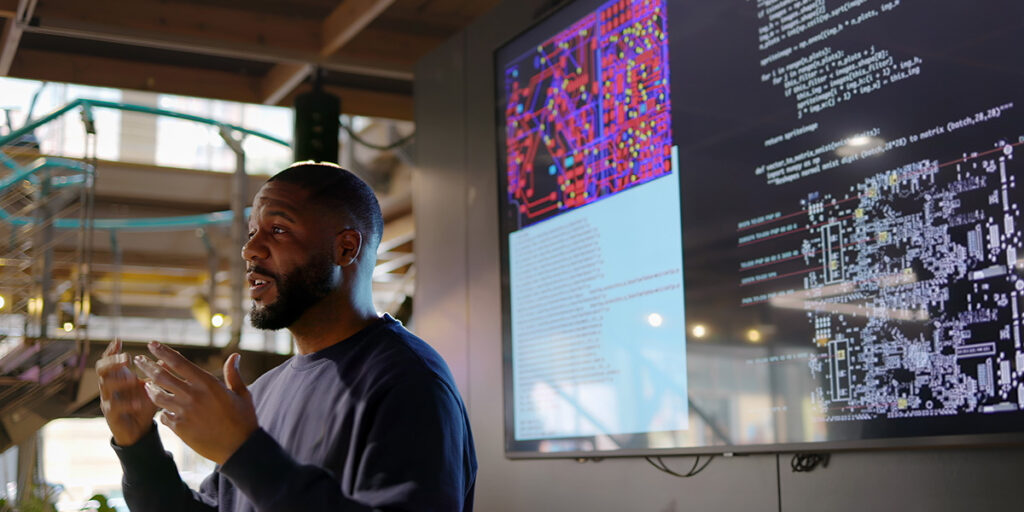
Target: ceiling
[254,51]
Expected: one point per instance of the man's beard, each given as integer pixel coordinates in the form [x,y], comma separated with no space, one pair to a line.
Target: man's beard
[297,291]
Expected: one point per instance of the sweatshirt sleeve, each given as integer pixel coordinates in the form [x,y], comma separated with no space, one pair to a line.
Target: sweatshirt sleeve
[410,452]
[152,483]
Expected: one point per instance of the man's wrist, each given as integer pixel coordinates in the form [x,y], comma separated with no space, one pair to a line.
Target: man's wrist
[125,442]
[140,458]
[231,451]
[259,468]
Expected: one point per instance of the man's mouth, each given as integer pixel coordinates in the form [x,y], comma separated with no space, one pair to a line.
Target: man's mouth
[259,284]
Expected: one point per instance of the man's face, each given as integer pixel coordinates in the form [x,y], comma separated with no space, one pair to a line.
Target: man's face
[289,256]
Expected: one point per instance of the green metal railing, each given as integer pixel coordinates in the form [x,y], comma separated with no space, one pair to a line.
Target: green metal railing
[87,105]
[137,224]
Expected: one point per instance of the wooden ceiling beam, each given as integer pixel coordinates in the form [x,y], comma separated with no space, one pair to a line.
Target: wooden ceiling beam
[6,28]
[8,8]
[347,20]
[202,35]
[281,80]
[390,46]
[121,74]
[362,102]
[200,22]
[343,24]
[365,102]
[12,30]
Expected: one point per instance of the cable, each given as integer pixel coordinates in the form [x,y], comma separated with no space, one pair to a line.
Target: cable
[397,144]
[661,466]
[804,462]
[778,479]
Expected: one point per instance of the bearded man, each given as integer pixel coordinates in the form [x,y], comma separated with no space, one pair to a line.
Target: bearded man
[366,416]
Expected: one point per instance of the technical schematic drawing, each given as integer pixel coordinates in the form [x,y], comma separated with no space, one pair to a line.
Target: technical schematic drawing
[913,287]
[588,111]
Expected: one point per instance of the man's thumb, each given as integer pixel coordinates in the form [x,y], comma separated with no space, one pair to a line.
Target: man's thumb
[232,377]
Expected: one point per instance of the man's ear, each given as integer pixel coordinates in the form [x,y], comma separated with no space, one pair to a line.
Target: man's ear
[347,246]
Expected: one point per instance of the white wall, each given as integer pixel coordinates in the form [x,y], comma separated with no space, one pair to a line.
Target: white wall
[458,311]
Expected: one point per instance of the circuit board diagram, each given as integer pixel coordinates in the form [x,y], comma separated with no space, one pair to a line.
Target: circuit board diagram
[588,112]
[912,285]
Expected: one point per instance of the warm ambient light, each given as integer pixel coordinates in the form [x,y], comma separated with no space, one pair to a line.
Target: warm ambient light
[699,331]
[217,320]
[754,336]
[655,320]
[3,301]
[68,326]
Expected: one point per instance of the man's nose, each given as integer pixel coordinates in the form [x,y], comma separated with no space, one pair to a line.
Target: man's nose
[254,248]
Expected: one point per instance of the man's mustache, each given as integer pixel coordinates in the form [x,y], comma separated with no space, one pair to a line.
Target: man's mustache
[255,269]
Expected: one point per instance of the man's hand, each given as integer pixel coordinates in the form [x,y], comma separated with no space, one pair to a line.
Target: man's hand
[212,419]
[123,400]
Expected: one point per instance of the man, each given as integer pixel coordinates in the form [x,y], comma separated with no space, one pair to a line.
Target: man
[365,417]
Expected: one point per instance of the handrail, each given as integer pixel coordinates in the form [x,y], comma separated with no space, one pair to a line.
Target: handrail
[25,173]
[128,107]
[146,223]
[155,223]
[20,172]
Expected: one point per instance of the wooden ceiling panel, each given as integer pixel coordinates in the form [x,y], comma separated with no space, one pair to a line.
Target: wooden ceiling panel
[450,13]
[363,102]
[107,72]
[199,22]
[401,48]
[339,27]
[313,9]
[8,8]
[239,50]
[351,17]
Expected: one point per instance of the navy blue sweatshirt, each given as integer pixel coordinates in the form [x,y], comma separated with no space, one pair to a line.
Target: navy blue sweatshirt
[373,422]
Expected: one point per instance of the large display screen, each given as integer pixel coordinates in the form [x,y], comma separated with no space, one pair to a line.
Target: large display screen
[757,225]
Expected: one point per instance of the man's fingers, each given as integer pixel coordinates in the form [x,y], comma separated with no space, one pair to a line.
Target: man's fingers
[111,363]
[114,377]
[139,399]
[162,399]
[168,418]
[160,376]
[179,364]
[126,393]
[232,376]
[112,348]
[118,381]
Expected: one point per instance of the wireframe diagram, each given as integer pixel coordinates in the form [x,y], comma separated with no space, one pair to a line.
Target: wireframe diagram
[587,111]
[913,288]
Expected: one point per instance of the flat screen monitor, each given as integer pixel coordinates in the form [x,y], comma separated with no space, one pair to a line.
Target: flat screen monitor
[762,225]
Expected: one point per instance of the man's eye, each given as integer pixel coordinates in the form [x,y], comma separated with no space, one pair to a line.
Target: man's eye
[278,230]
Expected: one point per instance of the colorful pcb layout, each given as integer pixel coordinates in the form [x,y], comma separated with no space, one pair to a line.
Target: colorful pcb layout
[587,112]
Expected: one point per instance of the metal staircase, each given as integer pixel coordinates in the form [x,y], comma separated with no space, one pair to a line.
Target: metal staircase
[46,235]
[44,286]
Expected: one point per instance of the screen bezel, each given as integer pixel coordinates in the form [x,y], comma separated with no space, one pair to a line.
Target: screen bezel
[514,449]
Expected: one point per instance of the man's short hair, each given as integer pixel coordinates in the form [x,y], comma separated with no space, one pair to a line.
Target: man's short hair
[339,190]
